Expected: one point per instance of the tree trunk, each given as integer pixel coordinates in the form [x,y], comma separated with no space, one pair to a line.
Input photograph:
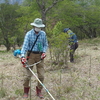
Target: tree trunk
[94,33]
[43,18]
[7,44]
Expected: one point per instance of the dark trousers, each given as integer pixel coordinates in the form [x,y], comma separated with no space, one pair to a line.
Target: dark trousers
[72,51]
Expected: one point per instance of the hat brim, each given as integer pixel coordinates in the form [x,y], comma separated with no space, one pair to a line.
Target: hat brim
[33,24]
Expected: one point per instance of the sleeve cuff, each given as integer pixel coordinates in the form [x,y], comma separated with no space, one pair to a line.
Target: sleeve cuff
[22,55]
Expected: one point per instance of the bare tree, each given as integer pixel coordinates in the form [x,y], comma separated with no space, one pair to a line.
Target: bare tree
[45,6]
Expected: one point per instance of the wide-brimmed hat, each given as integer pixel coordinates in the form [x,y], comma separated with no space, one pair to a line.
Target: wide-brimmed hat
[38,23]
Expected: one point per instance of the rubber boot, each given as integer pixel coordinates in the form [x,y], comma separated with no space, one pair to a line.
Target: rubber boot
[38,93]
[26,91]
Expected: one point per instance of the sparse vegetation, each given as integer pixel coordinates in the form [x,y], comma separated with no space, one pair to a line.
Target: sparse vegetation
[80,81]
[2,89]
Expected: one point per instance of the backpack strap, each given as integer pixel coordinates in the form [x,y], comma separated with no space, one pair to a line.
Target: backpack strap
[32,48]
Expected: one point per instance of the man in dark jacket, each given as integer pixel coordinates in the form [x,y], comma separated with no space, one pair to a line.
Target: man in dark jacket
[73,42]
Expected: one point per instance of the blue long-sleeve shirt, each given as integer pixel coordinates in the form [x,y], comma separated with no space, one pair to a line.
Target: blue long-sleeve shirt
[41,45]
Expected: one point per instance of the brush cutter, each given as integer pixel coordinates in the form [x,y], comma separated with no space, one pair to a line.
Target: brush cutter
[28,66]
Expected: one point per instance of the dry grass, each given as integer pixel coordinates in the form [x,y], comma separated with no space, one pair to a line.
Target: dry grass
[80,81]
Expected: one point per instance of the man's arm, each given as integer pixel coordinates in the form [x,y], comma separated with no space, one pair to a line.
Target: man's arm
[25,45]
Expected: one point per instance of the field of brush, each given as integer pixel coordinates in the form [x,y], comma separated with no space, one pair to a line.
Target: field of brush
[80,81]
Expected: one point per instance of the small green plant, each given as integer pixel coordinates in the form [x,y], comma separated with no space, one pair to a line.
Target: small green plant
[68,89]
[19,92]
[3,51]
[58,45]
[2,92]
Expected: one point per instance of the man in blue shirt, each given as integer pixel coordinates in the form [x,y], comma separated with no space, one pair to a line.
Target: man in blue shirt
[37,53]
[73,43]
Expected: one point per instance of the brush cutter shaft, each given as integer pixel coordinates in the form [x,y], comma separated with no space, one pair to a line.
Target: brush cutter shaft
[41,83]
[27,66]
[33,64]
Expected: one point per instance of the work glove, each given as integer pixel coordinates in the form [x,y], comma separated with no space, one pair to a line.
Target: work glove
[23,61]
[43,55]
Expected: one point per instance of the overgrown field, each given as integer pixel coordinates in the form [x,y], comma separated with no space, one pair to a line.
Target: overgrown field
[80,81]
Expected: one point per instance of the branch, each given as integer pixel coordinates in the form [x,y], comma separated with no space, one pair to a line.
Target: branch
[53,4]
[39,3]
[42,5]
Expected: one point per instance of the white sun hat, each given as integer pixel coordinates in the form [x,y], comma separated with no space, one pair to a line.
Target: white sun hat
[38,23]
